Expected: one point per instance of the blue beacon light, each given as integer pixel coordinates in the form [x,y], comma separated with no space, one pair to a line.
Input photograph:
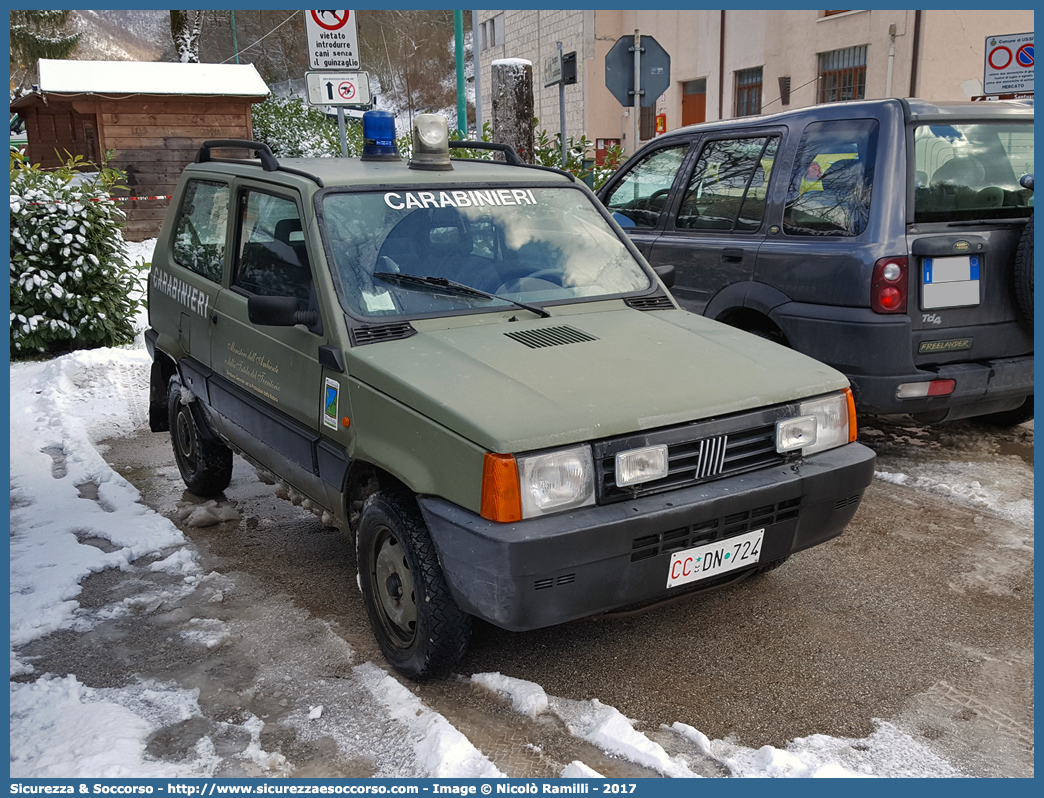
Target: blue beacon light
[379,136]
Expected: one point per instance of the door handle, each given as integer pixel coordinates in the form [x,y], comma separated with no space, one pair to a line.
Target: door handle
[731,255]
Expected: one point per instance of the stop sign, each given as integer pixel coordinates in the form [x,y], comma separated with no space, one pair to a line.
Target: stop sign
[655,70]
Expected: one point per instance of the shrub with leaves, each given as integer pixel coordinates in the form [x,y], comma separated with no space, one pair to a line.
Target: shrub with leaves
[294,129]
[548,152]
[71,285]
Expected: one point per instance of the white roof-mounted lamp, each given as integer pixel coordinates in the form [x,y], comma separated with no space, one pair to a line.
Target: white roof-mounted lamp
[430,143]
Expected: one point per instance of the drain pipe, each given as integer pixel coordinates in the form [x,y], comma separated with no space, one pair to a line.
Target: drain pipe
[721,68]
[916,53]
[891,60]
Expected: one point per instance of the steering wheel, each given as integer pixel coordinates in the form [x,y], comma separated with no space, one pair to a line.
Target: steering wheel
[553,276]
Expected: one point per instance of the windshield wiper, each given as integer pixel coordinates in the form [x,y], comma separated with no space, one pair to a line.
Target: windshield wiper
[456,288]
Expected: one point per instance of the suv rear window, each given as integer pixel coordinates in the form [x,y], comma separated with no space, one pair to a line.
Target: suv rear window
[968,172]
[529,244]
[832,180]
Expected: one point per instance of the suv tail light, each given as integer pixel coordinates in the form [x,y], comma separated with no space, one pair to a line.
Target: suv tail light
[888,287]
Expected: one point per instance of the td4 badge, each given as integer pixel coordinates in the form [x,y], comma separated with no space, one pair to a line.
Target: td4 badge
[931,318]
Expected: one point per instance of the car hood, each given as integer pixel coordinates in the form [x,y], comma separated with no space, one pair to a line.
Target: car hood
[525,385]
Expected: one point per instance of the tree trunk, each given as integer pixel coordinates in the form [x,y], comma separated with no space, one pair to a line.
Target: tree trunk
[512,93]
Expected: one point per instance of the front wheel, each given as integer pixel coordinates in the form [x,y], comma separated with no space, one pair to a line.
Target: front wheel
[204,462]
[418,625]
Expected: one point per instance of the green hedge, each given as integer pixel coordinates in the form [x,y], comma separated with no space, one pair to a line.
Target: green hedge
[71,285]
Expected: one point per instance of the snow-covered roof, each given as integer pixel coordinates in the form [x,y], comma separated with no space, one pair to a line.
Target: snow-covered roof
[145,77]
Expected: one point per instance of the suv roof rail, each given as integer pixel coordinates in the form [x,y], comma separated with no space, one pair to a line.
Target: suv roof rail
[509,152]
[510,155]
[260,150]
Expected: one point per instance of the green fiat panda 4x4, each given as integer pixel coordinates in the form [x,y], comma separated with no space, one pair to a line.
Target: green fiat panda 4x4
[468,367]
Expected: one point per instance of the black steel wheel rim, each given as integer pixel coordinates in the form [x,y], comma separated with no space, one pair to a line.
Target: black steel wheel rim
[393,588]
[185,438]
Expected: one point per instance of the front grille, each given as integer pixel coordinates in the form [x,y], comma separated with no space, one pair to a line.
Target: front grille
[713,529]
[693,456]
[544,584]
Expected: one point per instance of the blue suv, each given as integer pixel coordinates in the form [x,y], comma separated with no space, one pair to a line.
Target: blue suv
[891,239]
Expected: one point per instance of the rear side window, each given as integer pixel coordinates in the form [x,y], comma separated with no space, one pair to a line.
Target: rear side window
[831,185]
[199,238]
[639,198]
[273,258]
[729,185]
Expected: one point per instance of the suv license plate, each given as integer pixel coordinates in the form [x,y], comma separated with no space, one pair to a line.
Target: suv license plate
[950,282]
[712,559]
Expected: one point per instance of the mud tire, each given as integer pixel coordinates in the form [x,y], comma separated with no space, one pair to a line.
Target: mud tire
[1024,276]
[419,627]
[1009,418]
[204,462]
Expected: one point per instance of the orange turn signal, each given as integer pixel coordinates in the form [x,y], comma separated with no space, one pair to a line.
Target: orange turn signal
[501,497]
[851,415]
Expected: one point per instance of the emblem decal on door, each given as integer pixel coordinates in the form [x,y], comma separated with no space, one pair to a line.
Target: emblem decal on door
[333,389]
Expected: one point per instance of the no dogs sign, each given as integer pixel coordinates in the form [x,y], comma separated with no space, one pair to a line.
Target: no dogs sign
[333,41]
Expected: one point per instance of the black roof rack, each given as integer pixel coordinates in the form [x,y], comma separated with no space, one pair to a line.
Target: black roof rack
[509,152]
[260,150]
[510,155]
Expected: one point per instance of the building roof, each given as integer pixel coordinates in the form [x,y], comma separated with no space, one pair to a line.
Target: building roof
[145,77]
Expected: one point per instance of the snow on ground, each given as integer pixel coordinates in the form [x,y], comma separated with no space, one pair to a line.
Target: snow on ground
[60,409]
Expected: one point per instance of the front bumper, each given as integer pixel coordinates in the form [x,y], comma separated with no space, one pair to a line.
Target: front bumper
[557,568]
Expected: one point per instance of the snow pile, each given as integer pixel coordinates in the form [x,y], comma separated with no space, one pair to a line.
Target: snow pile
[209,513]
[442,751]
[578,770]
[58,410]
[887,752]
[951,482]
[525,698]
[62,729]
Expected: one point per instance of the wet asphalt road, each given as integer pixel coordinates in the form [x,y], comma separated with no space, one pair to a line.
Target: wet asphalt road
[920,614]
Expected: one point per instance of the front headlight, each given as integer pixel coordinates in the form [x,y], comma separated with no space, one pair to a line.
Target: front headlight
[556,481]
[821,424]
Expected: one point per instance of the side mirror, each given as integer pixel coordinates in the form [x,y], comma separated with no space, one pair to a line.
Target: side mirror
[1026,181]
[278,311]
[666,274]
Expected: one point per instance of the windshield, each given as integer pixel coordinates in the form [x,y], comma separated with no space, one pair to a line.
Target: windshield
[530,245]
[967,172]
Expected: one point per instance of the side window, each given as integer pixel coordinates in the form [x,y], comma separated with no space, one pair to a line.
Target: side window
[199,239]
[639,198]
[272,258]
[729,185]
[830,187]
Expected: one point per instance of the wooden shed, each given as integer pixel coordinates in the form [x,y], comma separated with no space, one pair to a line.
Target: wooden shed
[154,116]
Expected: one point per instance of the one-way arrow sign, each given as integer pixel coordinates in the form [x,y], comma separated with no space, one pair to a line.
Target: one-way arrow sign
[338,88]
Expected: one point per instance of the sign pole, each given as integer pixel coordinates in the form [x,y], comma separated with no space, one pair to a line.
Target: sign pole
[637,90]
[340,129]
[561,107]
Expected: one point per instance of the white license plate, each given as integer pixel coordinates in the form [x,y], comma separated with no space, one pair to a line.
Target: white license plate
[950,282]
[712,559]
